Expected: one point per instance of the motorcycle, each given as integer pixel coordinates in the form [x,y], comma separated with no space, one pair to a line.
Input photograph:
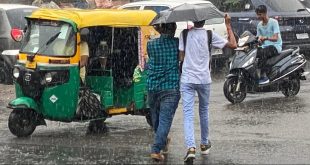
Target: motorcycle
[286,71]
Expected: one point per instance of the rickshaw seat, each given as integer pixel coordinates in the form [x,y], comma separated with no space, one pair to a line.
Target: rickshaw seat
[125,60]
[121,69]
[93,61]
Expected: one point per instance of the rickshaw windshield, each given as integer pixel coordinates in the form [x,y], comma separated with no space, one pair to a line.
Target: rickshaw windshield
[51,38]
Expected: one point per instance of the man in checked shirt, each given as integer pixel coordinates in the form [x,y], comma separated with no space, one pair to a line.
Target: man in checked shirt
[163,85]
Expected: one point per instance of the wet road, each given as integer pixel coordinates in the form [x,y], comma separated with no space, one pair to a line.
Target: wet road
[264,129]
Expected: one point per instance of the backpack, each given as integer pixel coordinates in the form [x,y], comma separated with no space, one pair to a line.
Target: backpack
[209,33]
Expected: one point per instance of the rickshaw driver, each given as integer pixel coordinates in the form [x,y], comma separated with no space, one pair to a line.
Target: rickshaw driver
[84,54]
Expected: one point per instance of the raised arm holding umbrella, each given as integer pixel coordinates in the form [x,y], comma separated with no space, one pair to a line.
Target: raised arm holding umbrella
[196,77]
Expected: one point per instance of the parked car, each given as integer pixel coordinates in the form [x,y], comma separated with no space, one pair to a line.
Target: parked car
[11,26]
[215,24]
[293,18]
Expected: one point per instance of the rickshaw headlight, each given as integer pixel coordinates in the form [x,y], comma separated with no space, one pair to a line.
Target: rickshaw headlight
[16,73]
[48,77]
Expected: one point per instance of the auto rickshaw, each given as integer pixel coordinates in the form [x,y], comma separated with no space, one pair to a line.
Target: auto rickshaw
[46,76]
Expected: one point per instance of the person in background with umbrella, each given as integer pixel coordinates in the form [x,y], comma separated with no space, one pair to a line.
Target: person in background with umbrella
[196,77]
[163,85]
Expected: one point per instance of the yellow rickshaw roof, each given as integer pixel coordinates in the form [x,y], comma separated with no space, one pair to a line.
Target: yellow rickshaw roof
[97,17]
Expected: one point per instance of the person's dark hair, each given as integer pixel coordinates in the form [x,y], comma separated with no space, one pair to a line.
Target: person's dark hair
[199,24]
[166,28]
[261,9]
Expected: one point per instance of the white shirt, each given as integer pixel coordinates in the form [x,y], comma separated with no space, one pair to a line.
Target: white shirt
[196,62]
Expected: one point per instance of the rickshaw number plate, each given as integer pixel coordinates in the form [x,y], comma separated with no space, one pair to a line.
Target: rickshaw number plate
[31,65]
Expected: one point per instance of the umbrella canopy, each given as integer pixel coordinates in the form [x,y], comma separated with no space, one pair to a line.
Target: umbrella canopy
[188,12]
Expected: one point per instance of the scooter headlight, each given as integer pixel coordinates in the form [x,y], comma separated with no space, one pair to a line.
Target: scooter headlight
[249,62]
[48,77]
[16,73]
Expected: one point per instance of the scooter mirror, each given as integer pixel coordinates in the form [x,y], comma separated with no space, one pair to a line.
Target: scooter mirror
[243,40]
[247,6]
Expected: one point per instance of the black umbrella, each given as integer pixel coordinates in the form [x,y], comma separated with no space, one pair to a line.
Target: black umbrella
[188,12]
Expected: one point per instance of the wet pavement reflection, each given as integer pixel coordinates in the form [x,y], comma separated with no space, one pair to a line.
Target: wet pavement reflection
[266,128]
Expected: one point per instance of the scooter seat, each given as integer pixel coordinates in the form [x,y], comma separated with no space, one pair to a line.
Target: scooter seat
[283,54]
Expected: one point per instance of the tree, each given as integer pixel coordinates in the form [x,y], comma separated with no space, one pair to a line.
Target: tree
[226,5]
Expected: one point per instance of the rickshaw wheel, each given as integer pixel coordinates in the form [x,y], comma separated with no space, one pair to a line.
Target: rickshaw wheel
[97,126]
[22,122]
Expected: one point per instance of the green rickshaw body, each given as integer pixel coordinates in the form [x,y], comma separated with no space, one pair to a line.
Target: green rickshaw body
[56,102]
[112,96]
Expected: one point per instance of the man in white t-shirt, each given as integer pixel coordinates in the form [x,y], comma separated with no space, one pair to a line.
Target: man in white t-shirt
[196,77]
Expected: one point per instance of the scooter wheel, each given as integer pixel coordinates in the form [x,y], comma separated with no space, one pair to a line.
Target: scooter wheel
[22,122]
[230,92]
[291,87]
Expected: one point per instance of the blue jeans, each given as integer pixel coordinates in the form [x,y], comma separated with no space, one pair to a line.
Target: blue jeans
[163,105]
[188,99]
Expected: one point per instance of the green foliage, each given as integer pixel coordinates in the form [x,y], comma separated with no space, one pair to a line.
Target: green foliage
[229,5]
[231,2]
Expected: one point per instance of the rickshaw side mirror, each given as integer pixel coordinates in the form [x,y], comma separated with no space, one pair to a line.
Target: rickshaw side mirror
[25,28]
[84,32]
